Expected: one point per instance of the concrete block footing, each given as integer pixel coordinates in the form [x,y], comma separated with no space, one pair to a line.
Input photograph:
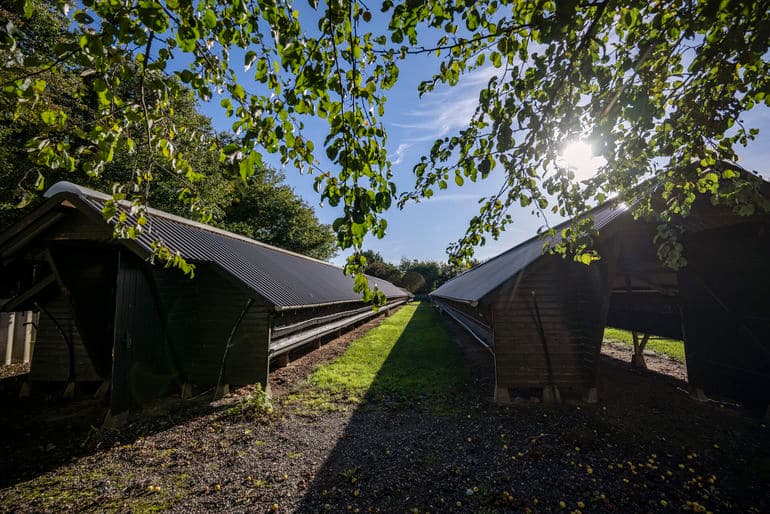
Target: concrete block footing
[222,390]
[69,391]
[103,393]
[697,394]
[551,394]
[502,395]
[26,390]
[282,360]
[591,396]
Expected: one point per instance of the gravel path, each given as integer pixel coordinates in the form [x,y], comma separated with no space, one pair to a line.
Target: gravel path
[645,447]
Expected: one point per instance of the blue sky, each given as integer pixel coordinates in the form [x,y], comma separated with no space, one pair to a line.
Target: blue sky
[423,231]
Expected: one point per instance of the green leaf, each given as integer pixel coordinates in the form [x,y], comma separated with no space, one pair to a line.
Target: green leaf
[29,8]
[209,18]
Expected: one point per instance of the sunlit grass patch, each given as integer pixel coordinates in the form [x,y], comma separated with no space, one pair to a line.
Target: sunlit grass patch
[410,355]
[669,347]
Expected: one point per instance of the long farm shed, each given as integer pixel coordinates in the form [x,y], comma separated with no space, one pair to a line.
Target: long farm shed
[107,314]
[543,316]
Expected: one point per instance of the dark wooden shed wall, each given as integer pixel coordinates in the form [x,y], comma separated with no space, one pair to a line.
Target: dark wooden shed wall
[571,299]
[50,358]
[87,273]
[200,315]
[142,367]
[171,329]
[725,291]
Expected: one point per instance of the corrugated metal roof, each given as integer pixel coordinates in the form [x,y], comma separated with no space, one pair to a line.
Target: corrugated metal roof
[482,279]
[286,279]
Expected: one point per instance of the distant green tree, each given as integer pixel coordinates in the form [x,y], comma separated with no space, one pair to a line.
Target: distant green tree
[434,273]
[412,281]
[383,270]
[372,256]
[270,211]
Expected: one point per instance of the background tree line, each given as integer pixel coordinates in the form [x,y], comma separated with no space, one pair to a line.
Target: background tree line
[418,277]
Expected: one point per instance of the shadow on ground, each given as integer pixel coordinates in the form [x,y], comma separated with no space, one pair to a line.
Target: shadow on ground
[44,431]
[645,446]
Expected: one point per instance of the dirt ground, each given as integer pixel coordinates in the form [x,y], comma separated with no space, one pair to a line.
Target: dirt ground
[646,446]
[657,363]
[12,370]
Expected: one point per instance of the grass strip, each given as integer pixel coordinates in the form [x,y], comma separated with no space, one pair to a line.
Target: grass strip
[411,354]
[669,347]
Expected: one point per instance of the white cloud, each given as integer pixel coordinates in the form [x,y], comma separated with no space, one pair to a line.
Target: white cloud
[398,156]
[454,197]
[445,111]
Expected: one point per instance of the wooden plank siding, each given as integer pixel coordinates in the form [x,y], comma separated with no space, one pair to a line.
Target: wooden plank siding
[572,302]
[200,315]
[87,271]
[50,359]
[142,366]
[88,287]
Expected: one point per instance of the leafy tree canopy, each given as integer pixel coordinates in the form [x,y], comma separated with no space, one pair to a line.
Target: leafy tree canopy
[262,207]
[658,87]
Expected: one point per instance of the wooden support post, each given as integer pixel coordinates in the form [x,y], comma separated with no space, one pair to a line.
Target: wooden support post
[637,359]
[186,392]
[317,343]
[29,336]
[11,332]
[283,360]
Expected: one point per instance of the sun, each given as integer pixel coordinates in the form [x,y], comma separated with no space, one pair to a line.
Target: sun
[579,157]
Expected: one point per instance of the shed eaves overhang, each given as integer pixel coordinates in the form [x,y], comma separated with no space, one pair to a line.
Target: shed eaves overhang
[476,283]
[286,280]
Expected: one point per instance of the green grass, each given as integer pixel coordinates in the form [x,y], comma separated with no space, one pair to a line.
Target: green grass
[670,347]
[409,355]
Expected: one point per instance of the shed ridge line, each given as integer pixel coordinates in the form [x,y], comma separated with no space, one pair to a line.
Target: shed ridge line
[84,192]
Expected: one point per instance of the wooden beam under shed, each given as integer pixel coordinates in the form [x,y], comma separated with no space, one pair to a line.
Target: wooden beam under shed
[30,234]
[14,303]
